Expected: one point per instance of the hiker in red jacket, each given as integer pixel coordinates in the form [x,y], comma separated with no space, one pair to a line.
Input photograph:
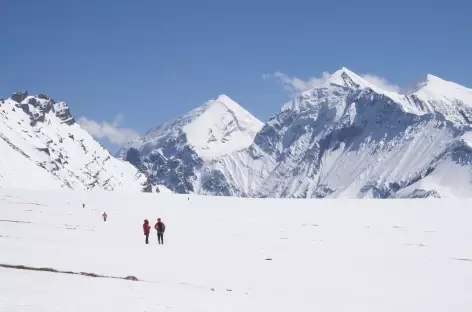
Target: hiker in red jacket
[146,229]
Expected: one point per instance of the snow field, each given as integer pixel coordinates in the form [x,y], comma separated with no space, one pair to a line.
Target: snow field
[327,255]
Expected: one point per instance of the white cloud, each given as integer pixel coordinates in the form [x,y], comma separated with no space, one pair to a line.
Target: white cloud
[111,131]
[295,85]
[381,83]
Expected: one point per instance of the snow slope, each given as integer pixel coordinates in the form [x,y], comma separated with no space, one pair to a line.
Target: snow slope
[446,98]
[348,138]
[42,147]
[332,255]
[173,154]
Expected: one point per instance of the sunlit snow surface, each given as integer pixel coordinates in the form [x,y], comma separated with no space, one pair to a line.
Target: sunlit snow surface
[328,255]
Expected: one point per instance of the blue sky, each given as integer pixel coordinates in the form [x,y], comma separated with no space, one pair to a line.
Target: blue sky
[136,64]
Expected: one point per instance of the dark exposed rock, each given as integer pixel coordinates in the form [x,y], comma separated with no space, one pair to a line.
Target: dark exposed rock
[33,101]
[132,156]
[421,193]
[147,188]
[45,150]
[26,109]
[19,96]
[215,182]
[66,116]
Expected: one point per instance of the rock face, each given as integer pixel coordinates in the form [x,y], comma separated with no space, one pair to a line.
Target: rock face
[19,96]
[41,146]
[343,138]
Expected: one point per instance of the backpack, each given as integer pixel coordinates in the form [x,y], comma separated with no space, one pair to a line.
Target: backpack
[160,227]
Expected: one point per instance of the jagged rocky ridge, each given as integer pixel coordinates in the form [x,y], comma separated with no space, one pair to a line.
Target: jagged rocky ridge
[343,138]
[42,147]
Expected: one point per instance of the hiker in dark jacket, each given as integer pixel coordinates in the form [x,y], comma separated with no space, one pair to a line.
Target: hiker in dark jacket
[146,230]
[160,228]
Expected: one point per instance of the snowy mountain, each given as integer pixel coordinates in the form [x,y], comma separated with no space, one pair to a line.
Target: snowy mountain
[42,147]
[177,153]
[348,138]
[344,138]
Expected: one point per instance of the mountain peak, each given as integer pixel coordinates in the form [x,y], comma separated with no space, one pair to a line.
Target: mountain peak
[440,87]
[347,71]
[347,78]
[19,96]
[222,127]
[445,97]
[342,77]
[432,81]
[218,127]
[223,98]
[431,77]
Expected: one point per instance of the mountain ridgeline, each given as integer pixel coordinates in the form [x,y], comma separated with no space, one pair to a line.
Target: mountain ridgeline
[344,138]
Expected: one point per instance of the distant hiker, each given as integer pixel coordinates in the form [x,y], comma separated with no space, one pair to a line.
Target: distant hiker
[83,205]
[160,228]
[104,215]
[146,229]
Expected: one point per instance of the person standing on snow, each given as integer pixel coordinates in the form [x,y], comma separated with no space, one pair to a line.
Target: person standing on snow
[104,215]
[160,228]
[146,229]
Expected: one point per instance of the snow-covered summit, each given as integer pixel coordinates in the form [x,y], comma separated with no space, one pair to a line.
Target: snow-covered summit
[220,127]
[217,127]
[333,87]
[173,153]
[433,95]
[41,146]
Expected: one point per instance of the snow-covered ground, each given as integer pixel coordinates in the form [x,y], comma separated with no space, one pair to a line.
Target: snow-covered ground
[327,255]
